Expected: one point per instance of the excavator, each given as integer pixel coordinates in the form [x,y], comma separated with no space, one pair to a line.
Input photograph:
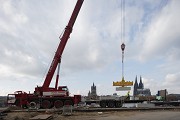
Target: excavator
[45,96]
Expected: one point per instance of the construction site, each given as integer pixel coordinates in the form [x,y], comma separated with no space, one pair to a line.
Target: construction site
[130,100]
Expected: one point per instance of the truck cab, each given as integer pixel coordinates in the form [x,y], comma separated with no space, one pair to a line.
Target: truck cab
[65,89]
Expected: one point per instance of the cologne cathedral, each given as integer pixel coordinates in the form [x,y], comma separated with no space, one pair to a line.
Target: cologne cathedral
[139,89]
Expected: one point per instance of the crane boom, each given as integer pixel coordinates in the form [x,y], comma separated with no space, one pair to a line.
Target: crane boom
[62,44]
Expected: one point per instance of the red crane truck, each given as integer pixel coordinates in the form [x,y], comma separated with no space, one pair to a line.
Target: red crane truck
[45,96]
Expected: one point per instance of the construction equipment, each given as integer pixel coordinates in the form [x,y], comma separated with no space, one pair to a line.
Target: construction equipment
[45,96]
[123,83]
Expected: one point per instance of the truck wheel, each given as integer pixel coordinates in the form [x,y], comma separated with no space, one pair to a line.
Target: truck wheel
[68,102]
[46,104]
[118,104]
[103,104]
[58,104]
[32,105]
[111,104]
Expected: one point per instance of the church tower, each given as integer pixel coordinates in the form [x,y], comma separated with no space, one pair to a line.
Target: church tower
[89,94]
[92,94]
[141,85]
[93,90]
[135,87]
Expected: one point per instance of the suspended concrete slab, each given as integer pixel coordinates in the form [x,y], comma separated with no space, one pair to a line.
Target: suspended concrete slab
[123,88]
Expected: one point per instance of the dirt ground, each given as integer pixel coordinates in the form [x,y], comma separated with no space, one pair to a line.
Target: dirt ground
[120,115]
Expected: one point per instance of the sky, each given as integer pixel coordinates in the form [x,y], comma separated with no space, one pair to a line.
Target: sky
[29,36]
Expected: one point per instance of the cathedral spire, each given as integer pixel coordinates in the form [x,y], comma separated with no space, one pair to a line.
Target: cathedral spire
[135,86]
[141,85]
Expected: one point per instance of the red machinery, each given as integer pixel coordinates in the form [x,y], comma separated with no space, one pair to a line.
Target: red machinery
[45,96]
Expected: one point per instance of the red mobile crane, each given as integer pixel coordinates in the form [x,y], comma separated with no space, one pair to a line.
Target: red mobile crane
[45,96]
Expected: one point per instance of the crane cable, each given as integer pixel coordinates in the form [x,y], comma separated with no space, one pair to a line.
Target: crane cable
[122,34]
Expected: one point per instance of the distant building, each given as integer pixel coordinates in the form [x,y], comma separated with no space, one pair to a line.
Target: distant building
[173,97]
[144,92]
[162,95]
[139,89]
[92,94]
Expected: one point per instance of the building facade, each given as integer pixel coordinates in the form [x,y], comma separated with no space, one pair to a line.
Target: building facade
[139,89]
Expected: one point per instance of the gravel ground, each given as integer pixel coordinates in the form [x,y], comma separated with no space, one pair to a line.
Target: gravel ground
[120,115]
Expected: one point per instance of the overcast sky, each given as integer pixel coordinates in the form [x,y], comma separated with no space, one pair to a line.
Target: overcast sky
[29,36]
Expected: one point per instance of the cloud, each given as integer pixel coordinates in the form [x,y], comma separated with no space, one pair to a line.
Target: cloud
[169,82]
[172,83]
[25,36]
[160,43]
[162,34]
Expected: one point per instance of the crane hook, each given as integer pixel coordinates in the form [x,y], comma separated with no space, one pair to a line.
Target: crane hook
[123,47]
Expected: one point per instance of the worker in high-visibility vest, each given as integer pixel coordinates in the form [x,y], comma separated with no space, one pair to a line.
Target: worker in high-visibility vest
[128,95]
